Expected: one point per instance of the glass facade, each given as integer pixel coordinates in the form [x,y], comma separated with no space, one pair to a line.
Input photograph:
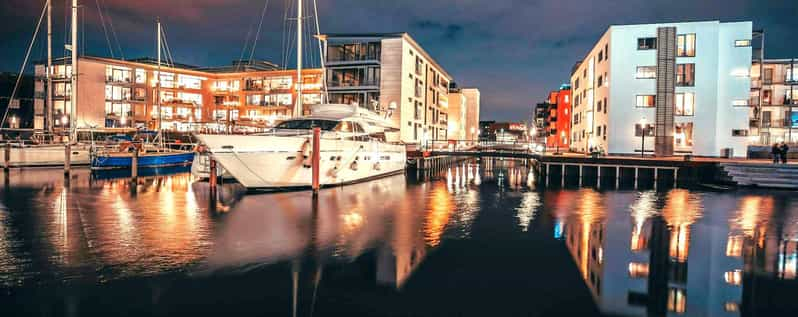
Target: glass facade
[353,52]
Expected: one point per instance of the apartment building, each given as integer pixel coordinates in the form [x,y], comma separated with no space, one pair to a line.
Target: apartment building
[558,121]
[463,113]
[124,93]
[668,83]
[390,71]
[774,98]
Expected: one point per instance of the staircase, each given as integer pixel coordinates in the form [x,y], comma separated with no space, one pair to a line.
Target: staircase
[762,175]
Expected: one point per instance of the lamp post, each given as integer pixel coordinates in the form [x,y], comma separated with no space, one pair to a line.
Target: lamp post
[643,124]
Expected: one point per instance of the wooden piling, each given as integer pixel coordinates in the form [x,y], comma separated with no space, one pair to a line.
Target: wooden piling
[316,159]
[7,156]
[67,158]
[134,164]
[212,174]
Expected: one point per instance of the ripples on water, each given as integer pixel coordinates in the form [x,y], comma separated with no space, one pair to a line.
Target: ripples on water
[472,239]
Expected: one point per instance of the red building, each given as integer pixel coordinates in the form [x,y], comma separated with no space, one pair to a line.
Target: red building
[558,123]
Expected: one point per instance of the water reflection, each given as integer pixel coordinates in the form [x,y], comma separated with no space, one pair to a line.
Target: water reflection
[482,226]
[680,252]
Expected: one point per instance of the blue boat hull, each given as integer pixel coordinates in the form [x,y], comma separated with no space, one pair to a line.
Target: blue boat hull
[150,160]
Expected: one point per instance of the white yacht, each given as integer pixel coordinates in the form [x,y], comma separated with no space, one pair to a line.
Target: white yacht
[353,148]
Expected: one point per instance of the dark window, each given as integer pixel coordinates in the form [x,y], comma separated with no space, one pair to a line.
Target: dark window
[598,106]
[739,132]
[601,56]
[600,81]
[606,105]
[606,51]
[647,43]
[353,52]
[326,125]
[685,75]
[639,130]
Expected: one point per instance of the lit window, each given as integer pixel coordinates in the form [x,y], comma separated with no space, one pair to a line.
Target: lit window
[646,72]
[677,300]
[742,43]
[740,103]
[685,45]
[731,307]
[734,246]
[739,132]
[685,75]
[645,101]
[733,277]
[685,104]
[638,270]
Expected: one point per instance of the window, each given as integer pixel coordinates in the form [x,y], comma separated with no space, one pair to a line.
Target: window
[191,82]
[167,80]
[601,56]
[645,101]
[140,94]
[639,130]
[685,45]
[600,81]
[576,84]
[598,106]
[606,105]
[677,300]
[141,76]
[646,72]
[606,51]
[685,75]
[685,104]
[638,270]
[733,277]
[647,43]
[740,103]
[739,132]
[742,43]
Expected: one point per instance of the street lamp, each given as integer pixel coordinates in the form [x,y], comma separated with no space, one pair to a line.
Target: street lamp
[13,122]
[643,124]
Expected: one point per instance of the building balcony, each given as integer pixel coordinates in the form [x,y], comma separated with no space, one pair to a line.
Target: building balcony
[333,84]
[112,80]
[352,61]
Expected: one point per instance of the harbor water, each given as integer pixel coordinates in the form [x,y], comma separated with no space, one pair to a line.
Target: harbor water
[476,238]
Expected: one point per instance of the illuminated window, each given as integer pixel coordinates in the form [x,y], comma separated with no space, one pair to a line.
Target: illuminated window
[190,82]
[685,45]
[677,298]
[685,104]
[742,43]
[731,307]
[685,75]
[740,103]
[645,101]
[141,76]
[646,72]
[733,277]
[638,270]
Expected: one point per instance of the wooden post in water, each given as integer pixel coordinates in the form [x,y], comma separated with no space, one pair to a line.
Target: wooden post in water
[212,175]
[67,157]
[7,156]
[316,160]
[134,163]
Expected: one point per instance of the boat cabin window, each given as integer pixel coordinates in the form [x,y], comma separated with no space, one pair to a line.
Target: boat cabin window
[344,126]
[325,125]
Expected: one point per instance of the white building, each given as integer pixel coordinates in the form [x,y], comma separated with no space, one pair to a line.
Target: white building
[688,83]
[390,70]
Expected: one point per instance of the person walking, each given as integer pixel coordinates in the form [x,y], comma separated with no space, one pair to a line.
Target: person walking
[776,152]
[784,149]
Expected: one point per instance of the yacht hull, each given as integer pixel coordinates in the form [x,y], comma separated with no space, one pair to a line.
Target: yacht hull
[46,155]
[282,162]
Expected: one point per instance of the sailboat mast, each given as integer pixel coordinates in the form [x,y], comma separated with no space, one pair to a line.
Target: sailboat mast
[48,120]
[74,48]
[298,108]
[158,86]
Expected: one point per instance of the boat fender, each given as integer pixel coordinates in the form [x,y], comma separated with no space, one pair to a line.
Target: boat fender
[306,153]
[353,166]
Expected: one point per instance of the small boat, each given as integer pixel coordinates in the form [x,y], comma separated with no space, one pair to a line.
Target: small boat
[29,155]
[103,160]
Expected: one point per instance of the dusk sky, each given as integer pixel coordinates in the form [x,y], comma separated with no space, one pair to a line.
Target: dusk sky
[514,51]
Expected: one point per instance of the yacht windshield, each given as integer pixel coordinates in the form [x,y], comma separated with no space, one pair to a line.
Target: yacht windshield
[325,125]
